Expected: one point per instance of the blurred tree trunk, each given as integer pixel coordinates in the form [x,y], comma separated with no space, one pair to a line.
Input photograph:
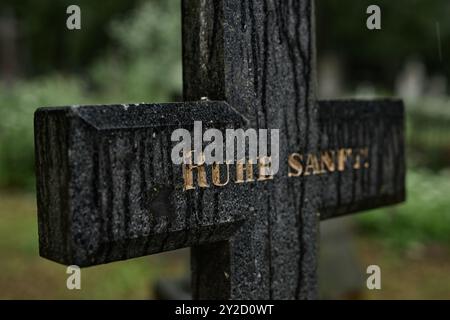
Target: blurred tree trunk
[9,66]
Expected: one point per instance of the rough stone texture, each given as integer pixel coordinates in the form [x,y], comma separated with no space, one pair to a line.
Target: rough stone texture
[107,189]
[106,186]
[259,57]
[377,125]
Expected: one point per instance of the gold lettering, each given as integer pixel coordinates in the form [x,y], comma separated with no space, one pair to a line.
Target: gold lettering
[264,164]
[357,162]
[365,155]
[216,175]
[327,161]
[323,162]
[343,155]
[295,163]
[188,175]
[312,165]
[240,171]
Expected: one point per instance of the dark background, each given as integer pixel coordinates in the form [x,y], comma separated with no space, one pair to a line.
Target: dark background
[130,51]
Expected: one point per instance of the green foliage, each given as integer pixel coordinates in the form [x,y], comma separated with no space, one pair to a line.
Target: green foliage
[46,45]
[428,133]
[423,218]
[409,30]
[16,128]
[26,275]
[145,65]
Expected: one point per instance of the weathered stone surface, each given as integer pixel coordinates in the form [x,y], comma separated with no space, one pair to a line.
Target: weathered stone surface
[107,189]
[259,57]
[377,126]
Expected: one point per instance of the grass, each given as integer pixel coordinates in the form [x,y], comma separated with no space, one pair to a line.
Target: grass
[421,272]
[24,275]
[423,219]
[410,242]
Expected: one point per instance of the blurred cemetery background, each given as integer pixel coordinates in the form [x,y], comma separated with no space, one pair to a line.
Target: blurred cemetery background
[130,51]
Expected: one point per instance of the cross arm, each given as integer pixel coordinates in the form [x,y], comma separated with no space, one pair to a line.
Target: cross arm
[368,145]
[107,189]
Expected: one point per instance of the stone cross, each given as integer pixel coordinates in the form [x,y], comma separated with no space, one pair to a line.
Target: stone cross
[107,188]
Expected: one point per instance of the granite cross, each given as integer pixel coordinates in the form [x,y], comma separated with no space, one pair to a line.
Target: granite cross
[107,189]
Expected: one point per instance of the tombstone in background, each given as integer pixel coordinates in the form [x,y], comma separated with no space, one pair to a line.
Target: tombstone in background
[107,189]
[341,275]
[330,82]
[338,278]
[412,80]
[414,83]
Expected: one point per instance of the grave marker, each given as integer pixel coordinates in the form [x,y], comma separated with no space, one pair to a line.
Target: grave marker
[107,189]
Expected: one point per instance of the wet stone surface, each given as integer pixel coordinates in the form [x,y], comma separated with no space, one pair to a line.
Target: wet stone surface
[108,190]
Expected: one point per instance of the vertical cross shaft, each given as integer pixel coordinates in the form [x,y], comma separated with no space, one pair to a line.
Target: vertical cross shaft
[259,57]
